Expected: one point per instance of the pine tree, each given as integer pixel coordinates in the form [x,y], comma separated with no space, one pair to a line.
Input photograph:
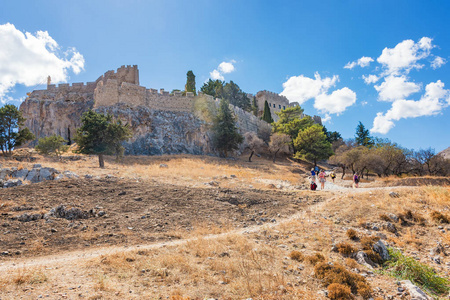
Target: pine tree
[11,136]
[312,144]
[226,135]
[267,116]
[100,134]
[190,82]
[362,136]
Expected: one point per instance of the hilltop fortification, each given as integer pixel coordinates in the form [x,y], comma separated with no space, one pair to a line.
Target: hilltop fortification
[162,122]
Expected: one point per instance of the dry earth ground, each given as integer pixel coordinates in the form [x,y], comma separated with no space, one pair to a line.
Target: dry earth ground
[187,232]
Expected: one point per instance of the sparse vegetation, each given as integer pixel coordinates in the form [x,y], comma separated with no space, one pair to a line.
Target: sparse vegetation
[297,255]
[52,144]
[346,249]
[404,267]
[439,217]
[351,233]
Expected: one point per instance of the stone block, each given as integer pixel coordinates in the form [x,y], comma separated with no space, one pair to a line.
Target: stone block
[33,176]
[22,174]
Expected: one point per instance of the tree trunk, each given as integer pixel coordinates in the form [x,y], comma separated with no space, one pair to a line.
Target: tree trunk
[251,154]
[101,161]
[343,172]
[275,155]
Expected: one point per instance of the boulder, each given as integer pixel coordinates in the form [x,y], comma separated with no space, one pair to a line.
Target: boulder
[69,214]
[5,173]
[364,260]
[380,248]
[414,291]
[70,174]
[46,173]
[33,176]
[12,183]
[21,174]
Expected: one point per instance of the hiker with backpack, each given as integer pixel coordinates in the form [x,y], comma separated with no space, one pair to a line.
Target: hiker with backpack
[322,179]
[355,180]
[333,176]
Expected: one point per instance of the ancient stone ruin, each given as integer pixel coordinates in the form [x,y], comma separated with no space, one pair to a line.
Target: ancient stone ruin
[162,122]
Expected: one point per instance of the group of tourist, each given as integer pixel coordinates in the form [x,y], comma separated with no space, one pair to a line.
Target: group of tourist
[316,172]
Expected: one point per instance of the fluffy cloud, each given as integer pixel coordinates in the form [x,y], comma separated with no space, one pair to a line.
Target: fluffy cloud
[435,99]
[362,62]
[370,79]
[223,68]
[438,62]
[395,88]
[300,88]
[215,75]
[337,102]
[227,67]
[405,55]
[28,59]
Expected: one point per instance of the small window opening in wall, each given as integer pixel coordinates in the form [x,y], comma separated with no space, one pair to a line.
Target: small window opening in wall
[279,106]
[274,105]
[284,107]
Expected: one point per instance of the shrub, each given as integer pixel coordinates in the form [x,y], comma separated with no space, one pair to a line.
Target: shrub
[384,217]
[409,215]
[297,255]
[439,217]
[373,256]
[338,274]
[345,249]
[351,233]
[315,258]
[52,144]
[407,268]
[367,242]
[338,291]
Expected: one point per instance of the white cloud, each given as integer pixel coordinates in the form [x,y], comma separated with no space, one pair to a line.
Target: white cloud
[435,99]
[226,67]
[405,55]
[326,118]
[223,68]
[362,62]
[370,78]
[337,102]
[395,88]
[215,75]
[438,62]
[300,88]
[28,59]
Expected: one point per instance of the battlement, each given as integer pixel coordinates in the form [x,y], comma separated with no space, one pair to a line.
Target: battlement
[127,73]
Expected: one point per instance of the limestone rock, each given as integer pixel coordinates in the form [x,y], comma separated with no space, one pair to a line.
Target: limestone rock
[21,174]
[415,292]
[364,260]
[381,249]
[12,183]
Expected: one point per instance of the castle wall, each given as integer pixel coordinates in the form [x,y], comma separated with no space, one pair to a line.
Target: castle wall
[276,103]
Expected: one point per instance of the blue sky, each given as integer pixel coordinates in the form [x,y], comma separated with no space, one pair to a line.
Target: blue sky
[297,48]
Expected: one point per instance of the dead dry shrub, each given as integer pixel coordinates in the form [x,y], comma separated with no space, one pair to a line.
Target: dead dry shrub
[351,263]
[351,233]
[439,217]
[336,273]
[315,258]
[373,256]
[297,255]
[384,217]
[338,291]
[345,249]
[367,242]
[408,215]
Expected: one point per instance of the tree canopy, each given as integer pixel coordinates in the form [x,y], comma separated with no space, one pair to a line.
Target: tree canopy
[11,135]
[311,144]
[267,116]
[362,136]
[229,91]
[226,136]
[100,134]
[190,83]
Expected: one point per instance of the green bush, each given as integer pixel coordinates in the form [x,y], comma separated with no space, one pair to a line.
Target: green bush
[52,144]
[407,268]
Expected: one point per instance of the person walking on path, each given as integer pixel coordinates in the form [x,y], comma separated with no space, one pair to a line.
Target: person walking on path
[322,179]
[333,176]
[313,175]
[355,180]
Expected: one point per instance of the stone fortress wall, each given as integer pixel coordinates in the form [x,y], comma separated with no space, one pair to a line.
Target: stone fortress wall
[58,110]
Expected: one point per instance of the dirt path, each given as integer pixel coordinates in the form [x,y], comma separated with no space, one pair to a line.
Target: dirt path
[72,257]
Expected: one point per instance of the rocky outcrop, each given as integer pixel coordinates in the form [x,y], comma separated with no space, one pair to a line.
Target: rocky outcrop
[61,117]
[13,177]
[158,132]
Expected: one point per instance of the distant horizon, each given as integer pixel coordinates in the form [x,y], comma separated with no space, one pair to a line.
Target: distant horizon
[382,63]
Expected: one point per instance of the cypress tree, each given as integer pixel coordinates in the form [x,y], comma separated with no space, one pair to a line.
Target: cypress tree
[190,82]
[267,116]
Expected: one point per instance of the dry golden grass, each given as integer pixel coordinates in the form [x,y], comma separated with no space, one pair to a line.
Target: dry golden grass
[23,276]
